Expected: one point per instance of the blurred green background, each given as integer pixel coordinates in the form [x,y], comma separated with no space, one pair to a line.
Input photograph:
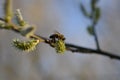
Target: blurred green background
[66,17]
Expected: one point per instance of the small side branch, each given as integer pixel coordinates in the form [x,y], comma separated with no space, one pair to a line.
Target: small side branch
[96,37]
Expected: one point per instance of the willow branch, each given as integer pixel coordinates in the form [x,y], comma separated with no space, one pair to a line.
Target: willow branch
[69,47]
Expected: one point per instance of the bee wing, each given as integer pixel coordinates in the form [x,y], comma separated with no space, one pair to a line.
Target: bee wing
[56,32]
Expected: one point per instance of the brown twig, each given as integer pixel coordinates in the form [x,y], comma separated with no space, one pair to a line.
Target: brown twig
[79,49]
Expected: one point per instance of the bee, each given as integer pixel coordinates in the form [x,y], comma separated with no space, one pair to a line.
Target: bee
[57,41]
[57,35]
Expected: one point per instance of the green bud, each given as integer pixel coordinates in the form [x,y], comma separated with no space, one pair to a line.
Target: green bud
[90,30]
[97,15]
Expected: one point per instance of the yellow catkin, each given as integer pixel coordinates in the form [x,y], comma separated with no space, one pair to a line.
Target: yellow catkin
[60,46]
